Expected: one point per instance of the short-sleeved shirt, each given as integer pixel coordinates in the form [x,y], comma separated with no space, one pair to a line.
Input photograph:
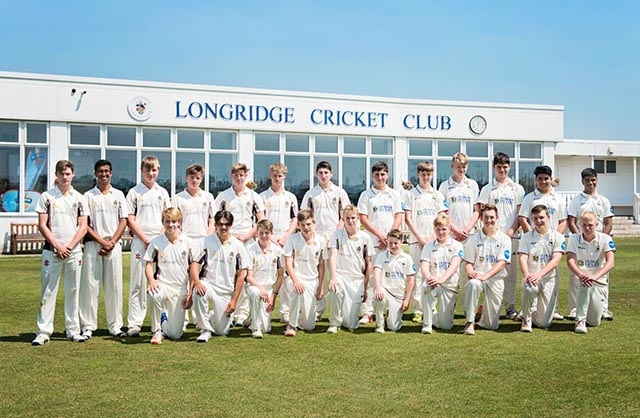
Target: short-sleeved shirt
[461,199]
[243,206]
[306,256]
[220,262]
[326,206]
[395,271]
[540,249]
[196,212]
[505,196]
[590,256]
[105,210]
[439,257]
[595,203]
[172,259]
[555,204]
[280,208]
[485,251]
[380,206]
[265,264]
[147,204]
[352,252]
[64,211]
[424,206]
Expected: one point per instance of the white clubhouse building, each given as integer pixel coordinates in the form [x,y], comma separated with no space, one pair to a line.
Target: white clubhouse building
[46,118]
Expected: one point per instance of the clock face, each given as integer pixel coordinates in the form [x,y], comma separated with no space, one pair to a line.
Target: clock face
[477,124]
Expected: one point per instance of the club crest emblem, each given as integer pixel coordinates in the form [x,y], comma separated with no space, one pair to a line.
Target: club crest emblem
[139,108]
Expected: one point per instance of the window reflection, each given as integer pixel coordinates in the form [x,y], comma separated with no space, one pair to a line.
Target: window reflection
[125,169]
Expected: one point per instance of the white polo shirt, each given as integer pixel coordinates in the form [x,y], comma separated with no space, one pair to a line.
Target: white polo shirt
[326,206]
[280,208]
[306,256]
[424,206]
[506,196]
[439,257]
[196,212]
[172,259]
[105,210]
[220,262]
[595,203]
[380,206]
[395,270]
[590,255]
[265,264]
[555,204]
[484,251]
[352,250]
[461,199]
[147,206]
[243,206]
[540,249]
[64,211]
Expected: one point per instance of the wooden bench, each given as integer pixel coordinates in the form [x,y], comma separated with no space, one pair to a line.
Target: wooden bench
[26,237]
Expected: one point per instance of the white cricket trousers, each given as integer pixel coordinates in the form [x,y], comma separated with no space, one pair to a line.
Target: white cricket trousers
[512,277]
[217,322]
[391,304]
[168,299]
[415,251]
[51,269]
[344,304]
[444,300]
[97,269]
[366,308]
[137,285]
[590,303]
[260,318]
[544,295]
[302,308]
[493,290]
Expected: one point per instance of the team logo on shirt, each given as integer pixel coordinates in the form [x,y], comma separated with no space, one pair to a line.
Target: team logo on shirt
[580,263]
[184,253]
[612,245]
[507,254]
[481,258]
[536,258]
[563,247]
[138,256]
[46,263]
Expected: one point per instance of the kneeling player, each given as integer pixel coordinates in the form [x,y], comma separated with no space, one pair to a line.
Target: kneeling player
[440,264]
[167,270]
[590,258]
[349,269]
[394,278]
[540,253]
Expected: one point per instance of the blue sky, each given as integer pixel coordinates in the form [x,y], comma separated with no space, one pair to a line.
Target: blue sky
[584,55]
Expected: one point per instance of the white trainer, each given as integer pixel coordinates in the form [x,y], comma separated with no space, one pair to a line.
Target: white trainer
[204,337]
[380,330]
[157,338]
[427,329]
[77,338]
[332,329]
[581,327]
[41,339]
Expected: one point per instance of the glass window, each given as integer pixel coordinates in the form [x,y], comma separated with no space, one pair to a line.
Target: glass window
[267,142]
[354,179]
[10,178]
[220,172]
[164,176]
[326,143]
[184,160]
[477,149]
[443,168]
[84,160]
[354,145]
[223,140]
[85,135]
[297,181]
[125,169]
[121,136]
[598,165]
[382,146]
[479,171]
[156,138]
[190,139]
[420,147]
[508,148]
[605,166]
[611,166]
[526,177]
[9,132]
[530,150]
[297,143]
[448,148]
[36,133]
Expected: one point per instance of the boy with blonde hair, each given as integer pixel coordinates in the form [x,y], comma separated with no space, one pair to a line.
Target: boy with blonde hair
[196,205]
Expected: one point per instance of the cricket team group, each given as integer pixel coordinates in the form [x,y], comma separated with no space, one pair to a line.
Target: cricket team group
[222,262]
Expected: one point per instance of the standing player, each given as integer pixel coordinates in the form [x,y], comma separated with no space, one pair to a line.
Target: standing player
[380,211]
[145,204]
[102,260]
[217,274]
[349,270]
[486,254]
[440,265]
[422,204]
[281,208]
[167,258]
[247,209]
[507,196]
[540,253]
[62,220]
[590,256]
[326,200]
[265,279]
[591,200]
[303,254]
[394,277]
[196,205]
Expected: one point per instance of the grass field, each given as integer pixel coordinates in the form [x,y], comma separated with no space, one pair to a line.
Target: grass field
[554,373]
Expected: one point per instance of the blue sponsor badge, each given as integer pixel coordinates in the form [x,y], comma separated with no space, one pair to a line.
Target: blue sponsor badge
[507,254]
[612,245]
[460,253]
[564,246]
